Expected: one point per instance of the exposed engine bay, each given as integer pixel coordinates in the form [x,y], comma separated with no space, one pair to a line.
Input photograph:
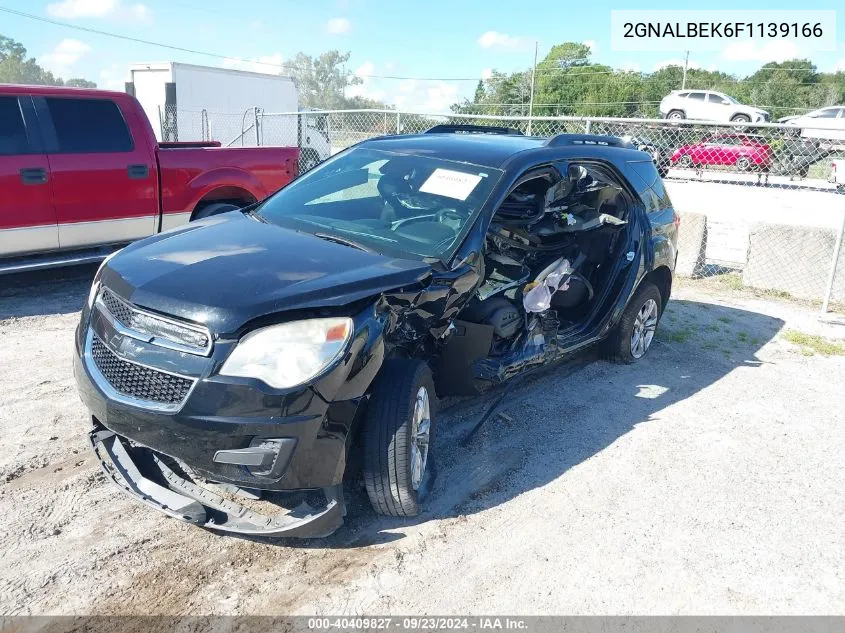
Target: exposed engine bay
[549,253]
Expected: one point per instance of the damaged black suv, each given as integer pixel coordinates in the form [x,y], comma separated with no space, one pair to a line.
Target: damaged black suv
[233,367]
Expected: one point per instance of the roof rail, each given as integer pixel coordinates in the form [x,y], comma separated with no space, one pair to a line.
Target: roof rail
[449,128]
[586,139]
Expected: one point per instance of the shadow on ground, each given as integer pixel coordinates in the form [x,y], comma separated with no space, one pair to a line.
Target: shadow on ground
[58,291]
[563,416]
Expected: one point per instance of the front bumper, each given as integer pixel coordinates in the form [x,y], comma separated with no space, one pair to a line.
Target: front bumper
[147,477]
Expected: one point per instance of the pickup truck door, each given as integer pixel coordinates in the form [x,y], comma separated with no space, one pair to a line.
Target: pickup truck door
[27,217]
[104,181]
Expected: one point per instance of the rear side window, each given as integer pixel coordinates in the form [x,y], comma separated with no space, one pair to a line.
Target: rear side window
[650,186]
[698,96]
[12,130]
[89,125]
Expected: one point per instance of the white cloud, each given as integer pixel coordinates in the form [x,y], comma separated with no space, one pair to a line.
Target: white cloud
[338,26]
[72,9]
[268,64]
[840,67]
[494,39]
[748,51]
[365,70]
[486,73]
[64,56]
[113,77]
[591,44]
[408,85]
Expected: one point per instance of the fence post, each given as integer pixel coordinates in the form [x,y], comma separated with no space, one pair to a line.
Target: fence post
[398,124]
[257,133]
[587,127]
[832,277]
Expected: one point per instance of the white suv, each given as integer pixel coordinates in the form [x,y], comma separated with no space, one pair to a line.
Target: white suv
[706,105]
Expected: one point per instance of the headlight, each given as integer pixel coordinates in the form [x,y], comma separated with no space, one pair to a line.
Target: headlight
[289,354]
[95,285]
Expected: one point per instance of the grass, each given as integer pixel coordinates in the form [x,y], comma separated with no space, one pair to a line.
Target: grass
[814,344]
[674,336]
[725,319]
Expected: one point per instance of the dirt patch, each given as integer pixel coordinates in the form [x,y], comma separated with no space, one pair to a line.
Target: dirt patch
[697,481]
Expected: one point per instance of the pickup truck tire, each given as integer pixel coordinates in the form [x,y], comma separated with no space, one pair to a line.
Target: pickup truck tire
[398,435]
[640,317]
[214,208]
[309,160]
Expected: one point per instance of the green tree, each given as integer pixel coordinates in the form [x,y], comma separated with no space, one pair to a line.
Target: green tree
[17,68]
[322,80]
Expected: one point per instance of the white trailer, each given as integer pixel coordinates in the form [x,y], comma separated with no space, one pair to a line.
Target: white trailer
[186,102]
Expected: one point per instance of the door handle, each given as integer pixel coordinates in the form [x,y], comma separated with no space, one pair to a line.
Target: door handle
[34,176]
[138,172]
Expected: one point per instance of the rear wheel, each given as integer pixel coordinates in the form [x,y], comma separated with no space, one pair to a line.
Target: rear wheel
[214,208]
[634,333]
[398,436]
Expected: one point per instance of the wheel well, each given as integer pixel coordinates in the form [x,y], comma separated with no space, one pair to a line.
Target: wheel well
[230,195]
[662,278]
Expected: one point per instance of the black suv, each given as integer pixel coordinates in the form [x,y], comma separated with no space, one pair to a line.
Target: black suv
[234,366]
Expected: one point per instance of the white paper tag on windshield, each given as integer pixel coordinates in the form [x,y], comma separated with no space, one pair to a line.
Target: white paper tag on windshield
[449,183]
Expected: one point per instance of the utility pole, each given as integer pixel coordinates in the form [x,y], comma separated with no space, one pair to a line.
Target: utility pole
[684,80]
[531,97]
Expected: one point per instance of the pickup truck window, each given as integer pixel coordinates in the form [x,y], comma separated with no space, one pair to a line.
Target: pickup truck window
[12,130]
[89,125]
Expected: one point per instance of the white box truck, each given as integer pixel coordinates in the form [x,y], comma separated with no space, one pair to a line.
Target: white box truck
[186,102]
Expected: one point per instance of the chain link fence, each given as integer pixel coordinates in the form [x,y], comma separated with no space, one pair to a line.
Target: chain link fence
[760,203]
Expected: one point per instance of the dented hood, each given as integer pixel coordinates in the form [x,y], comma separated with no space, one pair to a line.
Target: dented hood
[232,268]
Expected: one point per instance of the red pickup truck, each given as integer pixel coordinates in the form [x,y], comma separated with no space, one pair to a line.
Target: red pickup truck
[81,171]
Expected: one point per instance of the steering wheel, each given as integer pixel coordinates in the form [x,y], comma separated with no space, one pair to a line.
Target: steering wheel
[451,217]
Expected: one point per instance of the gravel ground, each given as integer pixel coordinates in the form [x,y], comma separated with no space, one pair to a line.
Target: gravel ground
[705,479]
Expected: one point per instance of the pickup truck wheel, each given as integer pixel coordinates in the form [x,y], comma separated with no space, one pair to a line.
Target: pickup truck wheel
[309,160]
[213,209]
[398,435]
[632,337]
[743,163]
[685,161]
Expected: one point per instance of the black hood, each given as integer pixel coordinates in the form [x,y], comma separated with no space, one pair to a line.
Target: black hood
[232,268]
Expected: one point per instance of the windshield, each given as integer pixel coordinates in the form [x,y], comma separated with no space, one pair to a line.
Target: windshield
[399,204]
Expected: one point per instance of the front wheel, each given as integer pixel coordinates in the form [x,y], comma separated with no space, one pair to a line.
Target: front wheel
[685,161]
[676,115]
[398,435]
[743,163]
[634,333]
[741,118]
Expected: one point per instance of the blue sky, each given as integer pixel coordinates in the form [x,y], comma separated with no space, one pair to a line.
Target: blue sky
[435,39]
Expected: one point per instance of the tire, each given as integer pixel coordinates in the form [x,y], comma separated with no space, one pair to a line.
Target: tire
[741,118]
[393,485]
[620,345]
[685,161]
[743,163]
[676,115]
[215,208]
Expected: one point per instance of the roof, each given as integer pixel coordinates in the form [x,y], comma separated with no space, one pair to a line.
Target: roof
[494,150]
[21,89]
[489,150]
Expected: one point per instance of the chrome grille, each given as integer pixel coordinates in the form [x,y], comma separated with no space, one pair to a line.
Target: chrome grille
[137,381]
[157,329]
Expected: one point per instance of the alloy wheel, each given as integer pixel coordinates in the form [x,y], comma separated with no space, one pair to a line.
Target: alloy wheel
[644,328]
[420,435]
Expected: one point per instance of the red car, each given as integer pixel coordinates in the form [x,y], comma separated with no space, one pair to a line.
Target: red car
[81,172]
[742,151]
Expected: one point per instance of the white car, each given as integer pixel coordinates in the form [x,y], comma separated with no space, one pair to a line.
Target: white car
[832,119]
[707,105]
